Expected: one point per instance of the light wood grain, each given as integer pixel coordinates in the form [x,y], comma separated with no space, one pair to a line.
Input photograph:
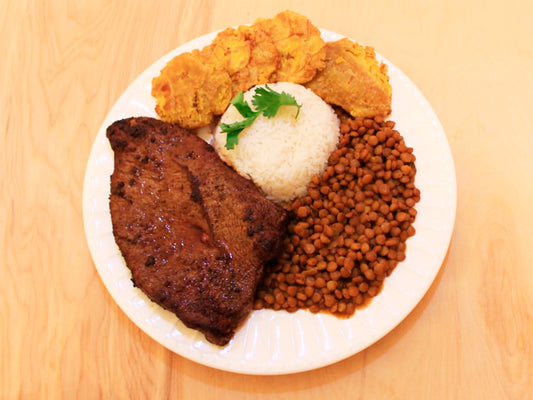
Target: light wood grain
[63,66]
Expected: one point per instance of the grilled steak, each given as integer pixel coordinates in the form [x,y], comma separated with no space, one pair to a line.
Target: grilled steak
[193,232]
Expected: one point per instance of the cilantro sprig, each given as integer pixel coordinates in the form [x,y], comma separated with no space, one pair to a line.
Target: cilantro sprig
[266,101]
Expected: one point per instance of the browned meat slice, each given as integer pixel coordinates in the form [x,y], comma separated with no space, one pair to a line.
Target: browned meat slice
[193,232]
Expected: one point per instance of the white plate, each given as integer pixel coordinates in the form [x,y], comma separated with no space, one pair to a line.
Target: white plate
[273,342]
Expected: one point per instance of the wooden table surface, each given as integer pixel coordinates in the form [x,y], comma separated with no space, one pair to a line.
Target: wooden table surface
[65,63]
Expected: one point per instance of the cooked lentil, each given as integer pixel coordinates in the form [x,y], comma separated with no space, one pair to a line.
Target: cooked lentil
[349,232]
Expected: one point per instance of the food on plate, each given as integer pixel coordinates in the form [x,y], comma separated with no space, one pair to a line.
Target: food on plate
[195,87]
[190,92]
[354,80]
[193,232]
[281,153]
[300,46]
[247,53]
[296,205]
[266,101]
[348,233]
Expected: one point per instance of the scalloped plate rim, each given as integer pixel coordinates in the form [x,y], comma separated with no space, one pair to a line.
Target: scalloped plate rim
[241,355]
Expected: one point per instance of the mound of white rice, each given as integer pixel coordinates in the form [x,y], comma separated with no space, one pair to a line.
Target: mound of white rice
[281,154]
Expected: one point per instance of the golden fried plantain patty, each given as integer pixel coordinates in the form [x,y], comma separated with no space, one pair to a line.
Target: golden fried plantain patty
[354,80]
[190,92]
[300,46]
[247,53]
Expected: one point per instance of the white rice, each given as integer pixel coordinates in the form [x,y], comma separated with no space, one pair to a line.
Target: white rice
[281,154]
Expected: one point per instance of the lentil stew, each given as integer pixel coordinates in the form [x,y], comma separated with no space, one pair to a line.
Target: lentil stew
[349,232]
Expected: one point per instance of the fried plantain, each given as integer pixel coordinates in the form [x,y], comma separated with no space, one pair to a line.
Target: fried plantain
[354,80]
[247,53]
[190,92]
[300,46]
[194,87]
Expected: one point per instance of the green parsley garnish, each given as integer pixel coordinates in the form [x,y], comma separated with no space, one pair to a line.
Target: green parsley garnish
[266,101]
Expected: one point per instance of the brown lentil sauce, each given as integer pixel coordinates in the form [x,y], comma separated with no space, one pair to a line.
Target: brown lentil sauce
[349,232]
